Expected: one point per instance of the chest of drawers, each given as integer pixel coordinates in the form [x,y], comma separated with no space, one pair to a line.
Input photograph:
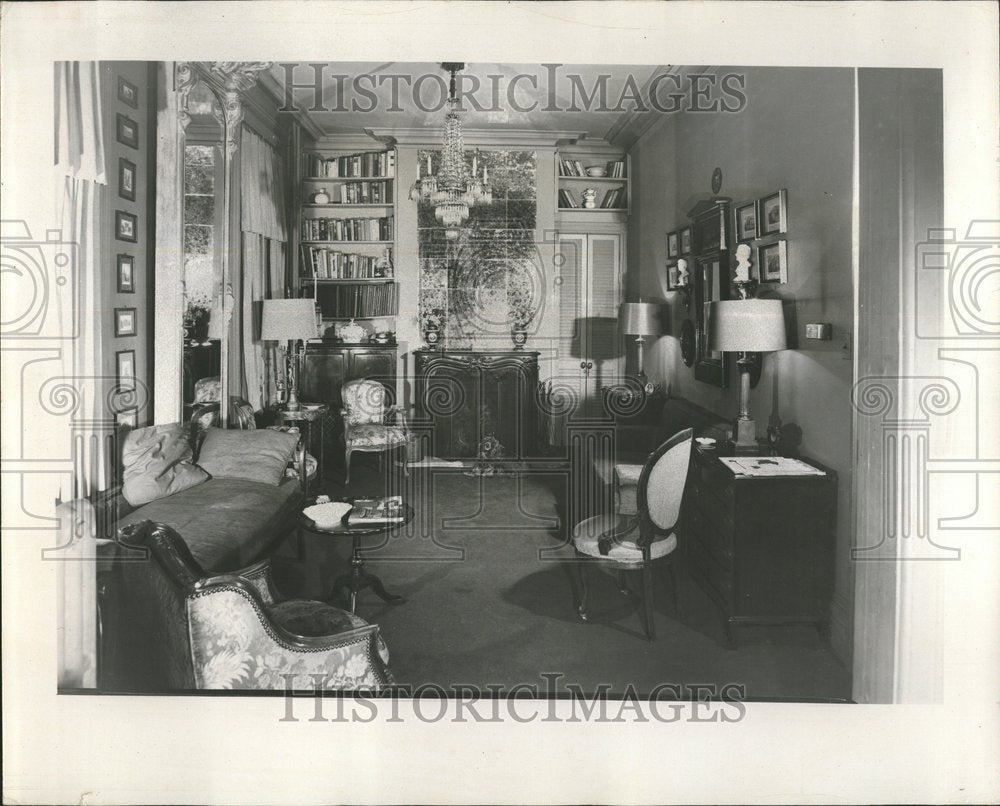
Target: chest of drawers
[761,548]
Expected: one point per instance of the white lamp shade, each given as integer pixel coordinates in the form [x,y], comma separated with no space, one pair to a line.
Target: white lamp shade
[746,326]
[640,318]
[289,320]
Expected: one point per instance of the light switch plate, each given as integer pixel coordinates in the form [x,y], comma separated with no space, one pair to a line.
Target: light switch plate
[819,330]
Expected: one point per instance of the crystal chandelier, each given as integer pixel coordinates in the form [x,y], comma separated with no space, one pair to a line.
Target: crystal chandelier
[453,191]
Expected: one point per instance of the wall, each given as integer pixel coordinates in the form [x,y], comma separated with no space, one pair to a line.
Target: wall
[796,132]
[142,76]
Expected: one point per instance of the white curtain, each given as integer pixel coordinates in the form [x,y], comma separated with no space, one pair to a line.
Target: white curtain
[81,201]
[264,245]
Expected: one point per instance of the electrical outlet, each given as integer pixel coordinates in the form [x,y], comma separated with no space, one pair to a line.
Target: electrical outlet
[847,346]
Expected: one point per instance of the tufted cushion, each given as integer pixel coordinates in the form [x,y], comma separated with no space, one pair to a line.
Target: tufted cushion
[252,455]
[375,436]
[226,523]
[156,462]
[623,549]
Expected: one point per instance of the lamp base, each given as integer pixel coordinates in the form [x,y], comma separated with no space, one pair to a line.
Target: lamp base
[746,438]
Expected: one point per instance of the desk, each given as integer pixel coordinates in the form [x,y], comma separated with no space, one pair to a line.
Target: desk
[761,548]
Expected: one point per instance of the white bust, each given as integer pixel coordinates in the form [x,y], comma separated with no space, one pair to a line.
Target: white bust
[742,263]
[682,272]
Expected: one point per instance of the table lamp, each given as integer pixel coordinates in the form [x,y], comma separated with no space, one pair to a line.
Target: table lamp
[746,326]
[640,319]
[290,320]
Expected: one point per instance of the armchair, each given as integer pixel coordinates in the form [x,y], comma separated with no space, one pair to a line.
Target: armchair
[367,422]
[232,631]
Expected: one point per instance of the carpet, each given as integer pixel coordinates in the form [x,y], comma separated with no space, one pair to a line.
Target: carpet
[485,569]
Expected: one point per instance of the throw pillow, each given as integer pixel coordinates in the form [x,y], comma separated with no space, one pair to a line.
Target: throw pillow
[156,462]
[251,455]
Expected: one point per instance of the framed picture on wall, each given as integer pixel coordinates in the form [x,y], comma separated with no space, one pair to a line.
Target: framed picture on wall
[126,226]
[773,213]
[686,241]
[126,274]
[125,322]
[128,93]
[127,131]
[673,276]
[126,179]
[772,262]
[746,221]
[673,244]
[125,361]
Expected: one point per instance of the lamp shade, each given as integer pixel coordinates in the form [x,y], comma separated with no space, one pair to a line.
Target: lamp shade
[640,319]
[289,320]
[746,326]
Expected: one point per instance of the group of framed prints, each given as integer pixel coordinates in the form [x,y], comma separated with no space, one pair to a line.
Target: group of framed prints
[762,224]
[680,246]
[127,230]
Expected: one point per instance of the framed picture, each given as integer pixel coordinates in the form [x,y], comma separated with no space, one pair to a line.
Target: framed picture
[125,361]
[126,179]
[773,213]
[673,276]
[129,417]
[125,322]
[673,244]
[128,93]
[686,241]
[746,221]
[126,274]
[126,226]
[127,131]
[772,262]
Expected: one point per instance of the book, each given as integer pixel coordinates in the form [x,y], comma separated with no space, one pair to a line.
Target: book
[376,510]
[769,466]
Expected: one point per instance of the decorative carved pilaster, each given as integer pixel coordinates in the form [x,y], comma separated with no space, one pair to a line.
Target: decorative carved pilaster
[184,80]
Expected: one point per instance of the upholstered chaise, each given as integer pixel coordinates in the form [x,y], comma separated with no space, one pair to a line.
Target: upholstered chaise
[231,631]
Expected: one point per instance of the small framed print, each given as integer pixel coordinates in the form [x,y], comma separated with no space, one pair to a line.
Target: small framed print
[128,417]
[126,226]
[673,244]
[125,322]
[125,360]
[673,276]
[127,131]
[128,93]
[773,214]
[772,262]
[746,221]
[126,274]
[686,241]
[126,179]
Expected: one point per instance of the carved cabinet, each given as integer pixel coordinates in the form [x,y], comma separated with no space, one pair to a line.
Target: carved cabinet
[463,396]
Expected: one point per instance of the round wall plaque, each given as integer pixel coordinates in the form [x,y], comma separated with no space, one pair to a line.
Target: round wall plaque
[716,180]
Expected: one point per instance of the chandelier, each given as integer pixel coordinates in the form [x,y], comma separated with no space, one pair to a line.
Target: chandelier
[454,190]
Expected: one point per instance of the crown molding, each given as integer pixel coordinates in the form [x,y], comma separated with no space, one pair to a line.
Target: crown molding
[269,84]
[656,121]
[635,122]
[430,136]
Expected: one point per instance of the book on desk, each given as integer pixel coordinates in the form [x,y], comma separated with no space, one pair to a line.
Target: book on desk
[376,510]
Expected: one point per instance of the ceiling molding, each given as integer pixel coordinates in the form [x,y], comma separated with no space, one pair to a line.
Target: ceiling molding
[431,136]
[658,120]
[276,90]
[634,122]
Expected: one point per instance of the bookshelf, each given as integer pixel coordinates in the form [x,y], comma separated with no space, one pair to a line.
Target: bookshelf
[346,212]
[613,190]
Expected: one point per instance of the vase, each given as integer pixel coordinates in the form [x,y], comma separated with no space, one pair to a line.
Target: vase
[432,336]
[519,336]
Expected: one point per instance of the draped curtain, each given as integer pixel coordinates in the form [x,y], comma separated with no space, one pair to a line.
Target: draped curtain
[264,238]
[81,201]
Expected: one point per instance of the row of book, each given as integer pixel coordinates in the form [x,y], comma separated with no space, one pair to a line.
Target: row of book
[329,264]
[365,164]
[372,192]
[613,199]
[367,301]
[615,169]
[347,229]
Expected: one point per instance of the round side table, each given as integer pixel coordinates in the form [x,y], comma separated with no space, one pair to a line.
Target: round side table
[312,420]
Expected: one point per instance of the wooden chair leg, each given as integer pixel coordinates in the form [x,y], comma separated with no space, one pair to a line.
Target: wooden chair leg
[647,598]
[581,571]
[347,462]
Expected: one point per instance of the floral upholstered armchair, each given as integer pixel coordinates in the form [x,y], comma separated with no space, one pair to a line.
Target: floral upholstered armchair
[232,631]
[369,425]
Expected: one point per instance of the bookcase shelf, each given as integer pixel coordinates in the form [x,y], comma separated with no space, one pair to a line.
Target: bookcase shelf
[614,190]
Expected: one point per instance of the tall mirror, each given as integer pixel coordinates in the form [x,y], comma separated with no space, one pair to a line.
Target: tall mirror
[203,189]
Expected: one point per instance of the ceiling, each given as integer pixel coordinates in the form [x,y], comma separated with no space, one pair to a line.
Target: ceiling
[585,99]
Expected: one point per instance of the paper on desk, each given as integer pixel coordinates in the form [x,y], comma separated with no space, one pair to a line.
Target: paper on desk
[769,466]
[327,516]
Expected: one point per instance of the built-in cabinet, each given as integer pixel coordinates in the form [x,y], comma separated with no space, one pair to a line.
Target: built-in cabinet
[588,291]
